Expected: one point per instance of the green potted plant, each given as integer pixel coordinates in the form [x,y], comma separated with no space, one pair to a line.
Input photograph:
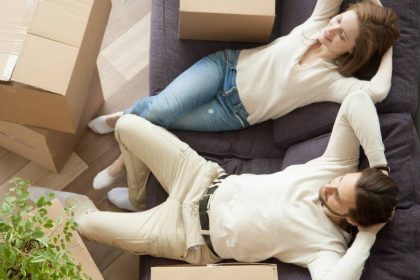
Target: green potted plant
[31,247]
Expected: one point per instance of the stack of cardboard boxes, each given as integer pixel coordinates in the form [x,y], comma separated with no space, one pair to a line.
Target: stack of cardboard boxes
[48,52]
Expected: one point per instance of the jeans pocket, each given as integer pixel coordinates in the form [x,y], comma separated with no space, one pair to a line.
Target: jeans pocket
[242,118]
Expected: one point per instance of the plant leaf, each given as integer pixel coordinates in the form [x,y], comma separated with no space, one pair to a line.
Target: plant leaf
[41,202]
[38,259]
[37,234]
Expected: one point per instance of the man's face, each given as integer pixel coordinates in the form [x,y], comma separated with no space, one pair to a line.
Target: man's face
[339,196]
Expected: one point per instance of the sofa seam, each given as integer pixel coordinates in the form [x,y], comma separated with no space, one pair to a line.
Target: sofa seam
[164,42]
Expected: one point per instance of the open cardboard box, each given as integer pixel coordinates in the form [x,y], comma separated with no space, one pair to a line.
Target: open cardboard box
[228,271]
[221,20]
[48,52]
[49,148]
[76,246]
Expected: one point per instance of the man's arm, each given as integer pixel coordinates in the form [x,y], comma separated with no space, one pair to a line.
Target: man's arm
[330,265]
[356,124]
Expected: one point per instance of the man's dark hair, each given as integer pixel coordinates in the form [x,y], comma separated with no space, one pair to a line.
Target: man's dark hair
[376,198]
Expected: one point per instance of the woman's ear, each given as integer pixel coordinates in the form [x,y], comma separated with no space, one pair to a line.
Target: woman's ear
[392,215]
[352,222]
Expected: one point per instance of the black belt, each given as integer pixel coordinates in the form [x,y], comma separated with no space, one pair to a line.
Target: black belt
[203,208]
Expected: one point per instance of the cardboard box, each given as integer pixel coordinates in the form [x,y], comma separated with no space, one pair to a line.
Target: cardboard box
[77,249]
[49,148]
[46,79]
[236,271]
[221,20]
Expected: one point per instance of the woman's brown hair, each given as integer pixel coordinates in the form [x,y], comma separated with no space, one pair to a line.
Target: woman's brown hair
[376,198]
[377,33]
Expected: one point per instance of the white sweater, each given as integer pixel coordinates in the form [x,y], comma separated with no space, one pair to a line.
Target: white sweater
[255,217]
[272,83]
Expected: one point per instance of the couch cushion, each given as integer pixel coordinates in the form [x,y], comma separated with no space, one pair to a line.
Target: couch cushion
[303,124]
[400,138]
[396,252]
[252,142]
[305,151]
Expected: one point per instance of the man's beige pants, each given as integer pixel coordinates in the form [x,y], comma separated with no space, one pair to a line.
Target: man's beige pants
[170,230]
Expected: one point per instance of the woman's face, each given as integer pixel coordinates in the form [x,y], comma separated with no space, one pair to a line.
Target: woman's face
[340,35]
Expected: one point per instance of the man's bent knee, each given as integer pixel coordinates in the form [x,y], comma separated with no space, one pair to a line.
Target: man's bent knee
[128,123]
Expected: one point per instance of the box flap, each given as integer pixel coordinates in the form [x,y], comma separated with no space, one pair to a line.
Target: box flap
[63,21]
[22,135]
[45,64]
[247,7]
[15,18]
[7,65]
[75,246]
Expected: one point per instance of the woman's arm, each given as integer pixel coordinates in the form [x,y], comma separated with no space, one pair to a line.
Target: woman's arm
[326,9]
[377,88]
[380,84]
[377,2]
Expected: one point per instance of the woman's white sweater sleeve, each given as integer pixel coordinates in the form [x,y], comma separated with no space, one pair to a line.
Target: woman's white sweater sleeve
[377,88]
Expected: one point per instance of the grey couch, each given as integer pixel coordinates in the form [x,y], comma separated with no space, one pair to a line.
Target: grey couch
[303,134]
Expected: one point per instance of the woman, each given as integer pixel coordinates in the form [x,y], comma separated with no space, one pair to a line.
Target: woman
[232,89]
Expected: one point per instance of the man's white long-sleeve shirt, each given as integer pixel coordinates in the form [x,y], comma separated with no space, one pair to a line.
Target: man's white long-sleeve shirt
[255,217]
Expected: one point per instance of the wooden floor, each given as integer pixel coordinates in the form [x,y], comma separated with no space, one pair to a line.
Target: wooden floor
[123,68]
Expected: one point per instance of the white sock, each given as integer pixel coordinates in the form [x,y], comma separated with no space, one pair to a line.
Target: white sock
[37,192]
[119,197]
[81,204]
[103,180]
[100,126]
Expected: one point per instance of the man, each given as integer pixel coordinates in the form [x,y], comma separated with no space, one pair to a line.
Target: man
[299,215]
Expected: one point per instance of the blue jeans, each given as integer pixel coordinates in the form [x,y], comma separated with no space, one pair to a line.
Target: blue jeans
[202,98]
